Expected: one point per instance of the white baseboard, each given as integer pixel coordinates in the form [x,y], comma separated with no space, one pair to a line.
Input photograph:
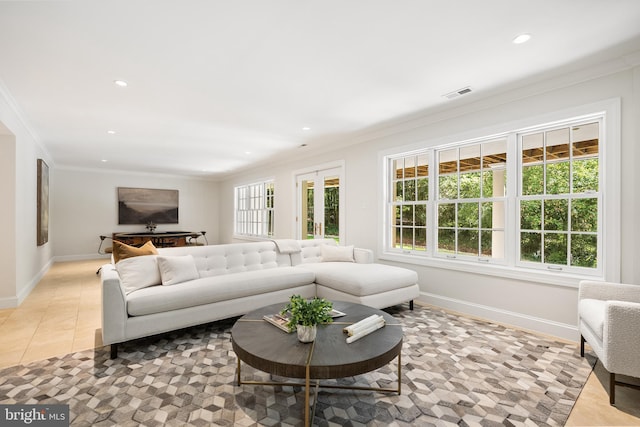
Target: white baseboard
[13,302]
[66,258]
[523,321]
[8,302]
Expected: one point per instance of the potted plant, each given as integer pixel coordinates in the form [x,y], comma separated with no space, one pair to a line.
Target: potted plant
[305,314]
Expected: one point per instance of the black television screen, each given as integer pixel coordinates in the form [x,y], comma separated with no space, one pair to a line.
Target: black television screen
[145,205]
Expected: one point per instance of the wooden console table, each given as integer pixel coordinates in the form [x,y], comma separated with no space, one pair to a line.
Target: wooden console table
[160,239]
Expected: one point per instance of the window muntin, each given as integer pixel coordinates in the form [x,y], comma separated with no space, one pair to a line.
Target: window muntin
[559,198]
[254,214]
[471,200]
[552,211]
[409,198]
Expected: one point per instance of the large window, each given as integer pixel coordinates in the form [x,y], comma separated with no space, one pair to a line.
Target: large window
[526,199]
[254,209]
[559,196]
[471,200]
[409,198]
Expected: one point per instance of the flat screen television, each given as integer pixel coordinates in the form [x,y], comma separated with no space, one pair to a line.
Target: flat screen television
[145,205]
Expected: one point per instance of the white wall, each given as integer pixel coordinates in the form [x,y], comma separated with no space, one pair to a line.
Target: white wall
[85,206]
[7,215]
[547,308]
[20,258]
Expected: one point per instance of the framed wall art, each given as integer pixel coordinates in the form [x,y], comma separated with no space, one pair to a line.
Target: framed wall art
[43,203]
[145,205]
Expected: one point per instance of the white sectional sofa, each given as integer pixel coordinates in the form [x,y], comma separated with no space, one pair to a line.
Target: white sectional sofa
[191,285]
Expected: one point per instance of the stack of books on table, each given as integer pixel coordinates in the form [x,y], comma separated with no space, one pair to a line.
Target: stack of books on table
[279,320]
[282,320]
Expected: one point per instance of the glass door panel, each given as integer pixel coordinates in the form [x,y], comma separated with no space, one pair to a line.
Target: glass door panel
[307,217]
[332,207]
[319,204]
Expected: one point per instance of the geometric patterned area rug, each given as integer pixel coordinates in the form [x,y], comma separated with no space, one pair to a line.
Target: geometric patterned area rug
[456,371]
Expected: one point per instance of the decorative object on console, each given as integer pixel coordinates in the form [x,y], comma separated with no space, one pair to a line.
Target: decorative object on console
[147,206]
[306,314]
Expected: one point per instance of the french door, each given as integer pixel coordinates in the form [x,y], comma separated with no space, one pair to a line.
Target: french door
[320,204]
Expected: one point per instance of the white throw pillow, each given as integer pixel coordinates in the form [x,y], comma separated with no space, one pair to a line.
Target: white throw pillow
[138,272]
[177,269]
[337,253]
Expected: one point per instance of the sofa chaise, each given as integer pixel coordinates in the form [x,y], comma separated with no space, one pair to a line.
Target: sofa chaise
[186,286]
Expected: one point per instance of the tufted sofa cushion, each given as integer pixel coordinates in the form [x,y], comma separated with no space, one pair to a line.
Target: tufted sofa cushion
[159,299]
[361,279]
[215,260]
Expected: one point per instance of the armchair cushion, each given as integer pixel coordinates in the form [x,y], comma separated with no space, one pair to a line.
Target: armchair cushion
[609,320]
[592,312]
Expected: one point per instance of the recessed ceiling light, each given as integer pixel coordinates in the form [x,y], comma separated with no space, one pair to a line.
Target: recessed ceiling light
[522,38]
[111,132]
[306,128]
[120,83]
[247,152]
[104,160]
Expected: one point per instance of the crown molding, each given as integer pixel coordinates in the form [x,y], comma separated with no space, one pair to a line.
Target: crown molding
[15,108]
[137,173]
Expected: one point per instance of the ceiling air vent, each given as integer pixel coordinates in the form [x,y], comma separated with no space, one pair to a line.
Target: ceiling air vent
[457,93]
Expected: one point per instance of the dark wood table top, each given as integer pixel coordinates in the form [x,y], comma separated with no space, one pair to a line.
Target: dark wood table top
[269,349]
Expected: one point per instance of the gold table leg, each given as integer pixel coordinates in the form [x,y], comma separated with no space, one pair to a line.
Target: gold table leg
[307,385]
[306,397]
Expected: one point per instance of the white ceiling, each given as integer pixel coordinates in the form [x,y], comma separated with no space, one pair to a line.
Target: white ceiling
[217,85]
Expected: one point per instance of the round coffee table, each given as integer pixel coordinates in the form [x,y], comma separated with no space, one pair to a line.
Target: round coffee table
[269,349]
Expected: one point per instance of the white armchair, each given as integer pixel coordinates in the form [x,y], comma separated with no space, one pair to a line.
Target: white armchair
[609,321]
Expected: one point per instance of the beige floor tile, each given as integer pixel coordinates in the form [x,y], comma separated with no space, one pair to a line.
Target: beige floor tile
[85,339]
[593,409]
[4,314]
[14,342]
[26,315]
[11,358]
[45,351]
[46,337]
[16,335]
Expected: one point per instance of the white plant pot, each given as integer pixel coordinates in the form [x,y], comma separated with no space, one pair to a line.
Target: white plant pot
[307,333]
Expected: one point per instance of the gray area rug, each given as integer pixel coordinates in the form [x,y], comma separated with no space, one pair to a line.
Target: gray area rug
[456,371]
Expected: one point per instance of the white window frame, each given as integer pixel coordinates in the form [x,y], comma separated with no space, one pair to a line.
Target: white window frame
[609,216]
[400,203]
[254,210]
[600,119]
[458,200]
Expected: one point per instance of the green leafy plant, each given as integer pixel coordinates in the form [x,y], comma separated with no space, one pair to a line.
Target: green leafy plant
[306,312]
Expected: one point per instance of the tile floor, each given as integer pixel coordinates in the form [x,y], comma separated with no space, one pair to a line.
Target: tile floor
[62,315]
